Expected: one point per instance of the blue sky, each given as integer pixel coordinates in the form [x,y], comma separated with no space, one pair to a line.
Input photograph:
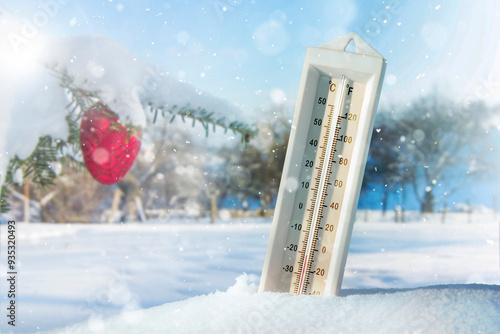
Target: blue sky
[248,51]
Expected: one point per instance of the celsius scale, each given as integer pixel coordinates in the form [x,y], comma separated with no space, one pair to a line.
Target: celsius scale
[323,170]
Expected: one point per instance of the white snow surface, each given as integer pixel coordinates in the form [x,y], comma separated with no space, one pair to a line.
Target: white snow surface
[179,277]
[441,309]
[33,104]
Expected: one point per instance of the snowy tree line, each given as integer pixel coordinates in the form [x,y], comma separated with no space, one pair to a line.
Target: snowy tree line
[427,150]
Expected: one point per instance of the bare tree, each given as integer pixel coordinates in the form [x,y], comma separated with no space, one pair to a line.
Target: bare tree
[255,171]
[75,197]
[383,168]
[440,147]
[170,171]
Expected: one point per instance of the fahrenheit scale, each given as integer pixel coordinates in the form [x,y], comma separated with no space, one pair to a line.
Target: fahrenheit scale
[323,169]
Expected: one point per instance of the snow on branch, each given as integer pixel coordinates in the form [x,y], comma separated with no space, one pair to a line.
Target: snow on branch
[66,77]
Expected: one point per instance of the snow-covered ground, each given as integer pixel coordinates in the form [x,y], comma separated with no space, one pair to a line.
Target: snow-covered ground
[85,273]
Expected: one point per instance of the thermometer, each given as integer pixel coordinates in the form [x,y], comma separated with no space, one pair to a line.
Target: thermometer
[323,169]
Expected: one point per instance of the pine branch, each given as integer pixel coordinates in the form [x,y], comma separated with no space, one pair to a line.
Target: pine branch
[207,120]
[82,98]
[4,199]
[49,150]
[38,165]
[14,165]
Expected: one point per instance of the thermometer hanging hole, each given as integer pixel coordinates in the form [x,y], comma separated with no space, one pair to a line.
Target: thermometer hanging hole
[351,46]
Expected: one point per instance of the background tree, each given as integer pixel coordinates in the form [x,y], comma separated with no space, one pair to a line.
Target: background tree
[439,145]
[255,171]
[173,171]
[383,167]
[75,197]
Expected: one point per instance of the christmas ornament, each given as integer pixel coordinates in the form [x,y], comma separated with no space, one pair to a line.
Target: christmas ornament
[109,148]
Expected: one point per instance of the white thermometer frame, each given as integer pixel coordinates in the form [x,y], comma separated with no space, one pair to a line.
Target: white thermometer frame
[332,60]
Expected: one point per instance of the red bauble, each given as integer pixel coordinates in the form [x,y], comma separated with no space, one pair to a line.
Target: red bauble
[109,149]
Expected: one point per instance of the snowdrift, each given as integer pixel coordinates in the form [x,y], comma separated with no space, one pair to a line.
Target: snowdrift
[468,308]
